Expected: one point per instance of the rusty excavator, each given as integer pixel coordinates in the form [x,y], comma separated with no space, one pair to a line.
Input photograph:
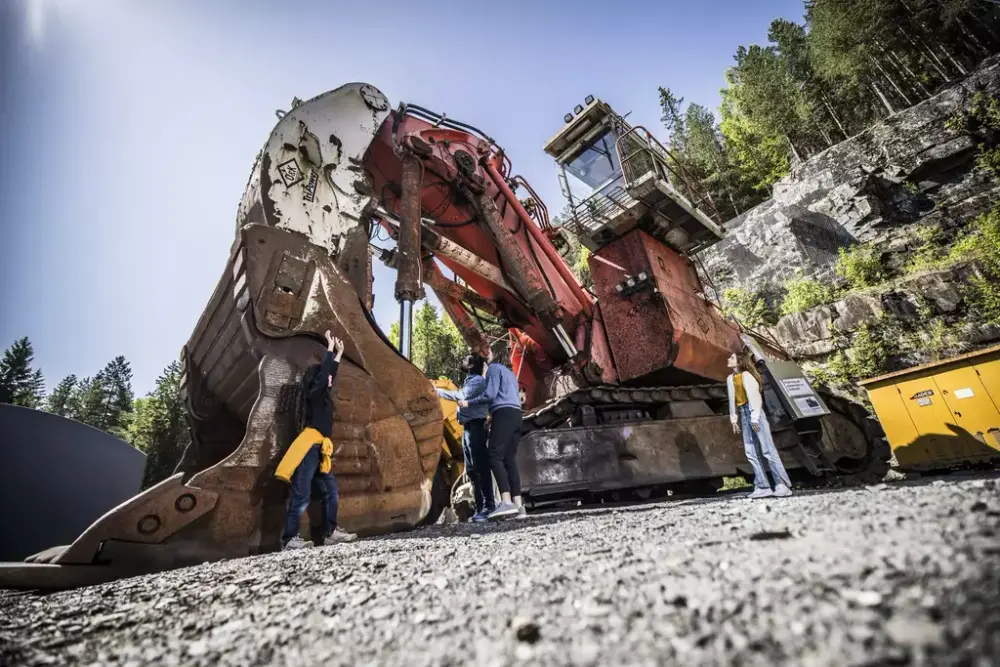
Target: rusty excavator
[622,384]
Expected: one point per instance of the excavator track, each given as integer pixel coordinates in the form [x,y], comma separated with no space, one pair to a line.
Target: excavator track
[608,396]
[682,439]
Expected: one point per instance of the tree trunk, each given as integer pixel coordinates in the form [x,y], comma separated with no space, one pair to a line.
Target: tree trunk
[795,151]
[892,82]
[971,35]
[833,115]
[931,58]
[928,31]
[882,97]
[901,65]
[987,27]
[904,82]
[940,65]
[954,62]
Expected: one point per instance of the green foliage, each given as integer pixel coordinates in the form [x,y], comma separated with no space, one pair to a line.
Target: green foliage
[577,254]
[105,400]
[802,294]
[62,399]
[861,266]
[981,243]
[981,119]
[438,347]
[581,267]
[749,307]
[867,356]
[20,384]
[928,254]
[735,483]
[850,65]
[869,353]
[157,426]
[983,296]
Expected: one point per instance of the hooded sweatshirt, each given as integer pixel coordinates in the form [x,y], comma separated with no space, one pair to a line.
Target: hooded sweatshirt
[319,407]
[499,391]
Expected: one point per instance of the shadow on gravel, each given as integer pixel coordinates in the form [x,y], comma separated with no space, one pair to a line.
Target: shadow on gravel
[555,514]
[469,529]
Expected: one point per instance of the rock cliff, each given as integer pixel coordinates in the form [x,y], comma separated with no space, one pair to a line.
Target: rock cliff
[914,171]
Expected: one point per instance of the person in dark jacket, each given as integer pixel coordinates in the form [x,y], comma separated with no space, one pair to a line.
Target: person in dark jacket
[502,394]
[473,421]
[308,461]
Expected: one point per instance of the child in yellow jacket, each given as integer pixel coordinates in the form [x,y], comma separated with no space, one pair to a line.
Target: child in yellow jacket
[308,460]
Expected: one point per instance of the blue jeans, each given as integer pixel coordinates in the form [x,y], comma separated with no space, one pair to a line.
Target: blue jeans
[762,438]
[477,463]
[305,479]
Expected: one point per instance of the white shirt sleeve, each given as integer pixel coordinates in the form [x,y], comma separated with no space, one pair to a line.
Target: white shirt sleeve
[752,388]
[732,399]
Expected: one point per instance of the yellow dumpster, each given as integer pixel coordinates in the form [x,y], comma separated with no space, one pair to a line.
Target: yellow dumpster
[941,414]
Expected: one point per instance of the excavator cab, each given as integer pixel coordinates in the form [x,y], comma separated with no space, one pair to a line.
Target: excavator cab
[617,177]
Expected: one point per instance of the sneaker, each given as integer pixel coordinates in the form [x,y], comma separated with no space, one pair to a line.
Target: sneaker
[480,517]
[522,513]
[782,491]
[503,511]
[339,535]
[296,543]
[761,492]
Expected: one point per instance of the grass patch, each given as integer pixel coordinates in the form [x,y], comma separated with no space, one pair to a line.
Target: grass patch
[802,294]
[861,266]
[930,252]
[749,307]
[735,483]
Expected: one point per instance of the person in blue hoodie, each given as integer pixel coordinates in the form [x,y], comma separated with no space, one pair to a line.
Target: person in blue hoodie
[501,393]
[473,421]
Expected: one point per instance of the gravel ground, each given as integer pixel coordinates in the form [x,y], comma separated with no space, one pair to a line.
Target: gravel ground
[902,573]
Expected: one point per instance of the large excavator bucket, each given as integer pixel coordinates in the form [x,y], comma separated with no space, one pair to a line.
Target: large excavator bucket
[263,327]
[243,369]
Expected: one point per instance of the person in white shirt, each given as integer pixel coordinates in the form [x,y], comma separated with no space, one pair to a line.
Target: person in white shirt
[746,407]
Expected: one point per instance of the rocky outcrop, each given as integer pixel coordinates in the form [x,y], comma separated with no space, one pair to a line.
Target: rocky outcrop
[905,308]
[890,186]
[910,169]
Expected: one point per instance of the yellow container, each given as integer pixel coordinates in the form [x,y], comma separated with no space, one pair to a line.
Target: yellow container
[943,413]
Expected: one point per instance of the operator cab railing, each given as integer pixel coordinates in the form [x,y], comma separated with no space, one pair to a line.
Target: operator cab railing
[634,181]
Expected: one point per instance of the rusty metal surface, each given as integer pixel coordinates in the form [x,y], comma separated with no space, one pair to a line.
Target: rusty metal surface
[661,325]
[409,285]
[451,295]
[276,297]
[522,273]
[628,455]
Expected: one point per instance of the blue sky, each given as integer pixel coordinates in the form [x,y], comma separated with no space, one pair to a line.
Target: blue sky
[129,128]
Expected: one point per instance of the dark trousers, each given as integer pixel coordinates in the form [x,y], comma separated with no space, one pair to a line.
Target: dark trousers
[477,463]
[305,479]
[505,434]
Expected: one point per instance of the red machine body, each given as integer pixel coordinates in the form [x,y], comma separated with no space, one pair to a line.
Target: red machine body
[658,330]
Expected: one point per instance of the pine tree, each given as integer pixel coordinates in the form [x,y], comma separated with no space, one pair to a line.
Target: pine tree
[61,401]
[118,396]
[33,394]
[89,402]
[157,426]
[20,384]
[105,400]
[438,347]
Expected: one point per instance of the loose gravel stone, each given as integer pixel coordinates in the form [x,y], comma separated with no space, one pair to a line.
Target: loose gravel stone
[909,574]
